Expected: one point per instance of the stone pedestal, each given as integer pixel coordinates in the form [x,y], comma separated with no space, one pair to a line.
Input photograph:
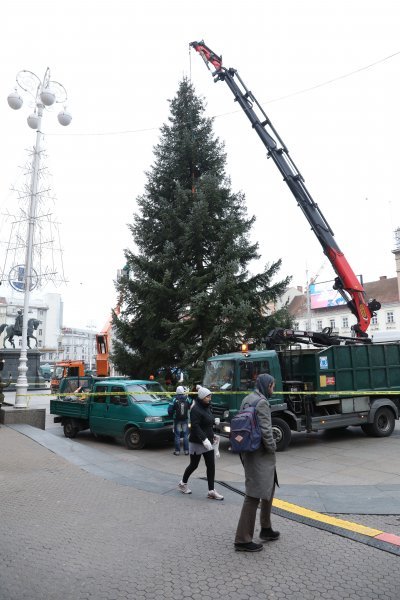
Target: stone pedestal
[9,415]
[11,358]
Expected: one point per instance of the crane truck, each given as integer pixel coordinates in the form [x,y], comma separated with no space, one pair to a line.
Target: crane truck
[323,381]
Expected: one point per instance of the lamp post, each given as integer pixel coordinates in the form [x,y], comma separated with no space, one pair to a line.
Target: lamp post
[44,94]
[90,345]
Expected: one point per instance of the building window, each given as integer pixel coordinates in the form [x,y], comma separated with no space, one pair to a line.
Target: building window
[319,325]
[39,343]
[345,322]
[296,325]
[390,317]
[332,323]
[40,332]
[40,313]
[50,356]
[374,320]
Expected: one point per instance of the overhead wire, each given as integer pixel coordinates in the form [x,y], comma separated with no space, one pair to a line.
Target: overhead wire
[278,99]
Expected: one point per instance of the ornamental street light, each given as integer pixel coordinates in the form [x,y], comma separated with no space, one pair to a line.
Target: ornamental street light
[44,94]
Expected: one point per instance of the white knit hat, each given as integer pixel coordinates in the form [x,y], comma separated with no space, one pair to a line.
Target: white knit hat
[180,390]
[202,392]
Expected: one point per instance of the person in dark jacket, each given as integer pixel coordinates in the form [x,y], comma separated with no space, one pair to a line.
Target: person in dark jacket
[260,473]
[201,439]
[179,411]
[2,386]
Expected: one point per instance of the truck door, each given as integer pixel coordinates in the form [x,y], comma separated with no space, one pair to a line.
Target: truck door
[117,410]
[98,410]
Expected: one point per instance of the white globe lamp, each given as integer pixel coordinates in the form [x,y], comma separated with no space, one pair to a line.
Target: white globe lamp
[14,100]
[33,121]
[64,118]
[47,96]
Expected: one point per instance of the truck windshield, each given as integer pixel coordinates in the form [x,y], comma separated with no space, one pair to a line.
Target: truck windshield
[142,392]
[219,374]
[58,372]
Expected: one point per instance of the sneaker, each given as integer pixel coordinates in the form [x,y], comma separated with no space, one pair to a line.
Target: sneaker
[249,547]
[184,488]
[213,495]
[268,534]
[186,453]
[177,453]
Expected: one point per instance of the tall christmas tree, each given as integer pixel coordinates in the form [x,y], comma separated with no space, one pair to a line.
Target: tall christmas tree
[189,293]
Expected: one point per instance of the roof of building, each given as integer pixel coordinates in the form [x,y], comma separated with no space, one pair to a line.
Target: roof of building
[385,290]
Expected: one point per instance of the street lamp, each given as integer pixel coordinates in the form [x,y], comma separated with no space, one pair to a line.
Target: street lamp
[44,94]
[91,337]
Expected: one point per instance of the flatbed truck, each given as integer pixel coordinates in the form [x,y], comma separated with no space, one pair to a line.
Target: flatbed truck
[134,411]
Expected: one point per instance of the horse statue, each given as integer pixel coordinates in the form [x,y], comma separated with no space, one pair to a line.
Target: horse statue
[33,324]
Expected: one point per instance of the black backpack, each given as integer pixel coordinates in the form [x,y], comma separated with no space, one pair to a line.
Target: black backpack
[181,409]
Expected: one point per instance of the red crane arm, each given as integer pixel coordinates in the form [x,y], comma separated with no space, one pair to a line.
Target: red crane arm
[346,281]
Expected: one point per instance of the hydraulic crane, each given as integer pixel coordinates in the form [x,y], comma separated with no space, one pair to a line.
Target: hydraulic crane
[346,282]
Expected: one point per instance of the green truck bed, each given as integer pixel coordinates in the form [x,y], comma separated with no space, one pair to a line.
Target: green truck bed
[70,408]
[373,367]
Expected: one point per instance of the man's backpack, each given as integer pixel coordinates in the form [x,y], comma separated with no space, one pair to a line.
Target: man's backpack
[181,409]
[245,435]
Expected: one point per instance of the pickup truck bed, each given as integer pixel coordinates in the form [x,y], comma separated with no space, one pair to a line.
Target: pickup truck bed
[70,408]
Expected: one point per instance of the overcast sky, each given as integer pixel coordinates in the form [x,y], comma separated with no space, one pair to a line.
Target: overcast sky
[121,61]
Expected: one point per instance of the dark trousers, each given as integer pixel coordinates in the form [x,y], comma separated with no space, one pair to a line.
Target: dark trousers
[209,459]
[247,519]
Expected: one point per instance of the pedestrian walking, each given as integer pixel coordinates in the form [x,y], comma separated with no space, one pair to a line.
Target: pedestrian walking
[260,473]
[179,411]
[201,441]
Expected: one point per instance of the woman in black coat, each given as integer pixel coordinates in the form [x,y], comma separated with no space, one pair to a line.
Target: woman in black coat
[200,443]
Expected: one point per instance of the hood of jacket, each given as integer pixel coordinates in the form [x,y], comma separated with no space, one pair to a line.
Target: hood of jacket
[262,384]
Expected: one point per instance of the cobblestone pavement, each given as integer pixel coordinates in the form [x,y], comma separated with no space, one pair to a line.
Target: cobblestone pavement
[68,534]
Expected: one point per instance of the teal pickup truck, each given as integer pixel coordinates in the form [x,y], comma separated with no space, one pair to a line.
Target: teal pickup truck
[135,411]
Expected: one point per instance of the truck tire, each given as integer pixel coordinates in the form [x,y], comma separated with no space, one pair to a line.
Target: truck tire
[134,438]
[382,425]
[70,430]
[282,433]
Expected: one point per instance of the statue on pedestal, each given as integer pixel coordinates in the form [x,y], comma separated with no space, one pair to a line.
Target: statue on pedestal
[16,329]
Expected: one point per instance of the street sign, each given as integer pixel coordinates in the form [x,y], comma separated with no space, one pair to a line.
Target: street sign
[16,278]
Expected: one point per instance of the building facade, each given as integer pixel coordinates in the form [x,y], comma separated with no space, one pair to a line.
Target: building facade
[384,326]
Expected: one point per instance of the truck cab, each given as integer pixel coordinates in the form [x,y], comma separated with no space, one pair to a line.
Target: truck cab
[232,376]
[66,368]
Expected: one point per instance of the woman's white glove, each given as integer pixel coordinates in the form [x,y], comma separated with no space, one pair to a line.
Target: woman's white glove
[207,444]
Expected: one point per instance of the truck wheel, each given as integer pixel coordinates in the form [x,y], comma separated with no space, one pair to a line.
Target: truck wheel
[70,430]
[134,439]
[282,433]
[382,425]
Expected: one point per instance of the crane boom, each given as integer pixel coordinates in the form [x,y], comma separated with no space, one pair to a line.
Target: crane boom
[346,282]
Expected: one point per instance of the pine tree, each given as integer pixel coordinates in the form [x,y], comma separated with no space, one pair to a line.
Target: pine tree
[189,293]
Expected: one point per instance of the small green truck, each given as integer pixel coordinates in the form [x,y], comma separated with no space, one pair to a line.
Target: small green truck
[135,411]
[316,389]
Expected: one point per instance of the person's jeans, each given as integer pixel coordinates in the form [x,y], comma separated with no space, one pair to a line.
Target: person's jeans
[181,426]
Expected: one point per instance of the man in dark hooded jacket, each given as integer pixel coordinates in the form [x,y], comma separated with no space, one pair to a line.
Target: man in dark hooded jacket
[2,386]
[260,474]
